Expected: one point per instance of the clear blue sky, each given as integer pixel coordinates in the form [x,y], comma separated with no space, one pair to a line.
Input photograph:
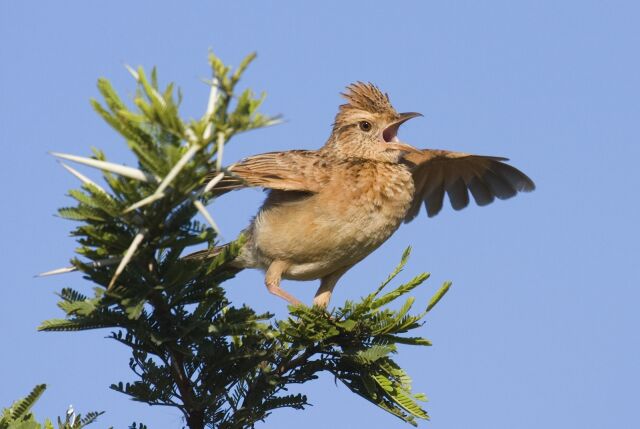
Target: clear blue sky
[541,326]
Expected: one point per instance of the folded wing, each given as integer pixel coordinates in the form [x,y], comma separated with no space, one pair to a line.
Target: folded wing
[295,170]
[436,172]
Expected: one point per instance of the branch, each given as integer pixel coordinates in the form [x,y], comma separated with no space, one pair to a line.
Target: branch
[192,409]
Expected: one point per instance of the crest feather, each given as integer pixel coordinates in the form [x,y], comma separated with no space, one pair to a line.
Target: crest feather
[366,96]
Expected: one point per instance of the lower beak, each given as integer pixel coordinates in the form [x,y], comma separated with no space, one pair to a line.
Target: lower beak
[402,147]
[390,134]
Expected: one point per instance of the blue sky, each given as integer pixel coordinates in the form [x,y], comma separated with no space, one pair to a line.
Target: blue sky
[541,325]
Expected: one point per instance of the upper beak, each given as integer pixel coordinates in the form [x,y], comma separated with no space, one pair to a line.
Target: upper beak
[390,134]
[404,117]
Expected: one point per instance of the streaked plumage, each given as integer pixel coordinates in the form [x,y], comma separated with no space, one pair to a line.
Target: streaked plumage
[327,209]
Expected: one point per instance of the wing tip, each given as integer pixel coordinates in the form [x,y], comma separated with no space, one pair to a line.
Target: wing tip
[527,186]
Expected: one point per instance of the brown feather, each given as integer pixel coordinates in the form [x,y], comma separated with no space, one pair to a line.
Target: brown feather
[437,171]
[457,191]
[481,193]
[295,170]
[366,96]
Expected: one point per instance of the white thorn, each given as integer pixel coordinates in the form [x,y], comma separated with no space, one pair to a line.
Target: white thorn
[176,168]
[211,108]
[132,72]
[273,122]
[191,136]
[127,257]
[213,97]
[158,97]
[84,179]
[99,263]
[63,270]
[71,416]
[213,182]
[122,170]
[159,193]
[154,92]
[205,213]
[207,132]
[143,202]
[219,152]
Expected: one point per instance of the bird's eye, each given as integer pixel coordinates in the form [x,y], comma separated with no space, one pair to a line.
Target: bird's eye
[365,126]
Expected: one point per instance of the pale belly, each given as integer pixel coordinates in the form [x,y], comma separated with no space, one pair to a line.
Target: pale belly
[325,232]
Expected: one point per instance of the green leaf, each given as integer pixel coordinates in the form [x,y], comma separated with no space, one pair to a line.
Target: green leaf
[438,295]
[376,352]
[401,290]
[413,341]
[77,324]
[21,408]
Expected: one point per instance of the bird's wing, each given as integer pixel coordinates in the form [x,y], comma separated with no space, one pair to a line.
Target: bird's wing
[438,171]
[294,170]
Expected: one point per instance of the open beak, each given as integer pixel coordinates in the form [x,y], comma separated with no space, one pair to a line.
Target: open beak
[390,134]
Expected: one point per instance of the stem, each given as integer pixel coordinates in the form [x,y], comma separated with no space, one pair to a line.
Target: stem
[192,410]
[303,358]
[259,383]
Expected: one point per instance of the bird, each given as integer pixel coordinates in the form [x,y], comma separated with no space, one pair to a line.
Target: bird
[327,209]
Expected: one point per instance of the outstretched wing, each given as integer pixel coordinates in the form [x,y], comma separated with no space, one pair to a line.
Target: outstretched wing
[438,171]
[294,170]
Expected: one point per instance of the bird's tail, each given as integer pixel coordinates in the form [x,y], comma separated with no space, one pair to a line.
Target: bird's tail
[210,253]
[230,256]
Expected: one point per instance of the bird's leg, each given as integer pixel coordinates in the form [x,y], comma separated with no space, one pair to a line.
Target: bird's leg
[272,281]
[327,283]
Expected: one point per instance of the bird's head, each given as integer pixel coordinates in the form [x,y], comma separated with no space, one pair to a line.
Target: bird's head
[367,126]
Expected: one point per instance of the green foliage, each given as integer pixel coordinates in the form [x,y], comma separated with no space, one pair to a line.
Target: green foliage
[356,343]
[19,416]
[223,366]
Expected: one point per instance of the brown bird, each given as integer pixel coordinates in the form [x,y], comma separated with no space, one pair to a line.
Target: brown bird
[327,209]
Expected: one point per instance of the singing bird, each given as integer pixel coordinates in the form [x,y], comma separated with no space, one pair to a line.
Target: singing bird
[328,209]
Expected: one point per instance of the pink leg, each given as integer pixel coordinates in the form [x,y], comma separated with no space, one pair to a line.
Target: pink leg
[272,281]
[327,283]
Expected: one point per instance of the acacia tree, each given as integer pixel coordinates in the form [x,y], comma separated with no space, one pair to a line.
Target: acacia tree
[222,365]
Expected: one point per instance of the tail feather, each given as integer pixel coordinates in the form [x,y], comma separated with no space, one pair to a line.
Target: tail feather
[205,257]
[206,253]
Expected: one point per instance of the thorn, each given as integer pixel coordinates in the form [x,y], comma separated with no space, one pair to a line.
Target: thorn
[211,108]
[71,416]
[84,179]
[159,192]
[132,72]
[127,257]
[99,263]
[212,183]
[143,202]
[207,132]
[220,143]
[63,270]
[205,213]
[191,136]
[158,97]
[176,168]
[213,97]
[273,122]
[123,170]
